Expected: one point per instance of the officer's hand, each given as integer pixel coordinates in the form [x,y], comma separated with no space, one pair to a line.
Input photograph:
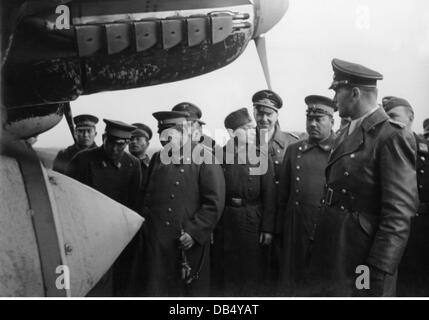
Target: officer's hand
[265,238]
[186,241]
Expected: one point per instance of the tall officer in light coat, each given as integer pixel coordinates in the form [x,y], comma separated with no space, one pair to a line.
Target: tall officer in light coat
[413,275]
[371,193]
[301,188]
[182,203]
[266,107]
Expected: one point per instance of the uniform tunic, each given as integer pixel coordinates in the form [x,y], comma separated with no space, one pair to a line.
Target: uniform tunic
[370,199]
[121,182]
[245,267]
[186,197]
[64,157]
[300,193]
[413,275]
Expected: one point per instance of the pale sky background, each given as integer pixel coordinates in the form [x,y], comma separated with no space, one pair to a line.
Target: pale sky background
[390,36]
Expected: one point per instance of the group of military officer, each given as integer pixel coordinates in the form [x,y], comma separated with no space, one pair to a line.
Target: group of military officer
[327,205]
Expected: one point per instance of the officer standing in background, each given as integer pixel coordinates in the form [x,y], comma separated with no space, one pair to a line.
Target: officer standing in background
[182,203]
[85,133]
[139,143]
[413,275]
[117,174]
[426,129]
[248,222]
[301,188]
[370,196]
[266,105]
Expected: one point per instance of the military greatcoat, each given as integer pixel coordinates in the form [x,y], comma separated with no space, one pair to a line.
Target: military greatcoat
[370,197]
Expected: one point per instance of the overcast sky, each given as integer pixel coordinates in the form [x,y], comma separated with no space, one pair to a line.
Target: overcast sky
[390,36]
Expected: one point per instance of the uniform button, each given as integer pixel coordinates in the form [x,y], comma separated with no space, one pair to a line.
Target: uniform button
[298,168]
[250,189]
[346,173]
[278,151]
[167,223]
[352,156]
[420,186]
[172,196]
[342,208]
[298,179]
[250,179]
[422,158]
[277,182]
[169,210]
[297,191]
[177,183]
[182,170]
[299,148]
[422,171]
[276,162]
[298,156]
[297,203]
[344,191]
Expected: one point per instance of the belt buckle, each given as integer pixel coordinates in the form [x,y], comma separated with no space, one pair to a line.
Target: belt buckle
[328,197]
[237,202]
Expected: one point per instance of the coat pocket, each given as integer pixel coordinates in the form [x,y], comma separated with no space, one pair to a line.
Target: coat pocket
[367,223]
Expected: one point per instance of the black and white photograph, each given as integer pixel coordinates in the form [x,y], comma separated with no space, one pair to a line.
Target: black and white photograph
[214,150]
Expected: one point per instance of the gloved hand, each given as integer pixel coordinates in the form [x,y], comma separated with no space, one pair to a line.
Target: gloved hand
[186,241]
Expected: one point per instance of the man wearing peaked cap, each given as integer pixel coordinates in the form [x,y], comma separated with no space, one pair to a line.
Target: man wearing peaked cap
[301,186]
[399,109]
[117,174]
[371,171]
[247,224]
[353,74]
[182,203]
[237,119]
[194,119]
[266,106]
[415,261]
[139,144]
[85,133]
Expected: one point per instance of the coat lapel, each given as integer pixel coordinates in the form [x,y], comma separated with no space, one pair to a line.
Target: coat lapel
[346,145]
[349,145]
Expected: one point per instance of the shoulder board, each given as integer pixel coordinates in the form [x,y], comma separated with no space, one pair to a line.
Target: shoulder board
[294,135]
[398,124]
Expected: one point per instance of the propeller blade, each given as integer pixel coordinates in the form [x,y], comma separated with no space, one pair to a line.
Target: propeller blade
[262,52]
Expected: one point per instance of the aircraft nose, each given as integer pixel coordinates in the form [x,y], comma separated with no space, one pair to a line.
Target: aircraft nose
[268,14]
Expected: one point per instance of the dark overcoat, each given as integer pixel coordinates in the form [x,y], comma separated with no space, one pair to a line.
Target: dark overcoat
[186,197]
[64,157]
[249,210]
[371,195]
[121,182]
[413,274]
[301,189]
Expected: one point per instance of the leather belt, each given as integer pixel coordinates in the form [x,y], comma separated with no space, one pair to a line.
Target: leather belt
[345,201]
[240,202]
